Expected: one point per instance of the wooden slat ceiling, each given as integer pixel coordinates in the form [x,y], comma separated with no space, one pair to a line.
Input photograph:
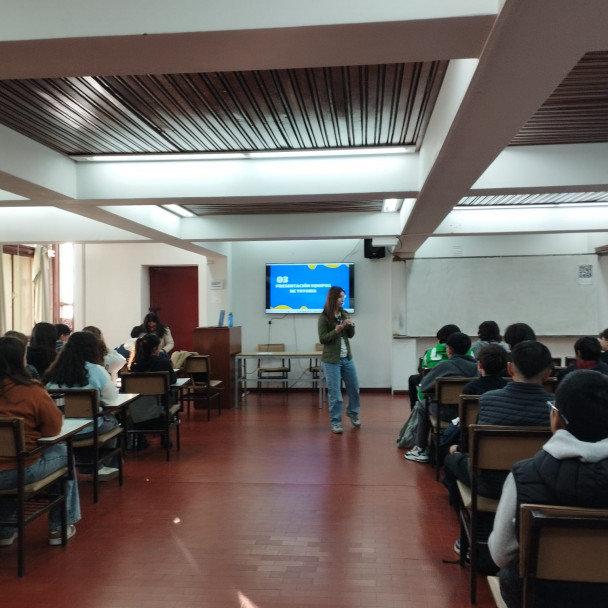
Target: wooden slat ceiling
[282,110]
[250,208]
[553,198]
[577,111]
[300,109]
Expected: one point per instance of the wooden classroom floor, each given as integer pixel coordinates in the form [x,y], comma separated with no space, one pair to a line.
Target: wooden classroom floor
[263,508]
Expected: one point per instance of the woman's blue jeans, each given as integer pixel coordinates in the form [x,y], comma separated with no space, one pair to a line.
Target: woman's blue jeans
[53,458]
[334,373]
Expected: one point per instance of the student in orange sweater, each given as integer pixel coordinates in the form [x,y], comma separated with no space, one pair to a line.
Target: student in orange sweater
[26,398]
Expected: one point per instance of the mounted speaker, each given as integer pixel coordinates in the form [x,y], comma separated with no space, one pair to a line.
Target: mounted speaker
[371,252]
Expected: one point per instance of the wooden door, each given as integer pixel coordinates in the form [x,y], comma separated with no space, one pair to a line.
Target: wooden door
[174,291]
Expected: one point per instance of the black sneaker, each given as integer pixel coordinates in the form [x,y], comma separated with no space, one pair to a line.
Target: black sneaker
[467,557]
[141,443]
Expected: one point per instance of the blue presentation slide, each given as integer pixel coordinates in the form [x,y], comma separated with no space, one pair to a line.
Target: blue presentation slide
[303,287]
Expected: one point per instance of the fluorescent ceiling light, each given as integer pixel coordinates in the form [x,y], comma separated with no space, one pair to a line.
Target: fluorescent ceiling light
[179,210]
[244,155]
[390,205]
[593,204]
[330,152]
[149,158]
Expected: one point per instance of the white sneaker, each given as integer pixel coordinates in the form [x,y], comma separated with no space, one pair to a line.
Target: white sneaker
[8,538]
[337,429]
[107,473]
[354,419]
[417,455]
[55,535]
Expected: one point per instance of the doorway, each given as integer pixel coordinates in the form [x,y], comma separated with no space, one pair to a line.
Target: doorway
[174,292]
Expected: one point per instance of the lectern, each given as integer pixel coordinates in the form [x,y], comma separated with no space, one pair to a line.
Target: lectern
[221,343]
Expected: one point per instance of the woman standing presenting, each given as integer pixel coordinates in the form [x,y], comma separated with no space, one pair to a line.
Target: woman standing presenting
[335,330]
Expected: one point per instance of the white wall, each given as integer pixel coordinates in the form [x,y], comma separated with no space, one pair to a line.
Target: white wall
[373,316]
[115,288]
[112,293]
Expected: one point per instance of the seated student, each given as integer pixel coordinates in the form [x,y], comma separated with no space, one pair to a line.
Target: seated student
[42,352]
[431,358]
[604,345]
[492,366]
[22,396]
[113,361]
[522,402]
[63,333]
[146,412]
[588,353]
[488,333]
[79,366]
[459,364]
[518,332]
[11,333]
[570,470]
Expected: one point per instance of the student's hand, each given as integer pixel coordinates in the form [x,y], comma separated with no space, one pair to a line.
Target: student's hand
[453,449]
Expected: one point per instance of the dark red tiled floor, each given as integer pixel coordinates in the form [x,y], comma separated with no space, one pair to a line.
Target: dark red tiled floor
[263,508]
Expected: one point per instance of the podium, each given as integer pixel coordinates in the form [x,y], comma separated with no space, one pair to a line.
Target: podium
[221,344]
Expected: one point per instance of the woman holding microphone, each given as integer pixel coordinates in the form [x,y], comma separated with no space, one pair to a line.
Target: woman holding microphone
[336,328]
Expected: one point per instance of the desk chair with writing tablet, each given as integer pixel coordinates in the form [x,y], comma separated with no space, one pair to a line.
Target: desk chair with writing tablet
[203,387]
[561,544]
[94,451]
[492,448]
[273,372]
[155,384]
[447,393]
[33,499]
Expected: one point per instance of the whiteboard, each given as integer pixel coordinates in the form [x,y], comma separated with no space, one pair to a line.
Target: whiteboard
[552,294]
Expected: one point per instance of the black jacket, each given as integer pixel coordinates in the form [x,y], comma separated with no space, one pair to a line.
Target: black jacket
[544,479]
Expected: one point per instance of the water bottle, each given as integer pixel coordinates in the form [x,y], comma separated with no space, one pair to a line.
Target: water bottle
[230,319]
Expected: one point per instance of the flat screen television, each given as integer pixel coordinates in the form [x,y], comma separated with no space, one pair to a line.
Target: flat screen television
[302,288]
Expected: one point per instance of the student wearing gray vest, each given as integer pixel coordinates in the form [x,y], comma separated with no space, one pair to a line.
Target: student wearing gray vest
[570,470]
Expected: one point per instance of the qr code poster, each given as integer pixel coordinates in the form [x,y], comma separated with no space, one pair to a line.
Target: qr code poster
[585,274]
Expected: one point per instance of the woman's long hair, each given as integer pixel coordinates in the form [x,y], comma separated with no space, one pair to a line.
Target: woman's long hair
[331,309]
[12,366]
[69,368]
[44,337]
[143,352]
[152,317]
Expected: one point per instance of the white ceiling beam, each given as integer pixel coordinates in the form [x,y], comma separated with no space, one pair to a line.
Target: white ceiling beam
[87,39]
[296,226]
[532,47]
[66,19]
[527,220]
[52,225]
[575,166]
[249,177]
[32,170]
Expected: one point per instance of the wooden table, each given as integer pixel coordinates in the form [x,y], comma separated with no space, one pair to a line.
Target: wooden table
[240,369]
